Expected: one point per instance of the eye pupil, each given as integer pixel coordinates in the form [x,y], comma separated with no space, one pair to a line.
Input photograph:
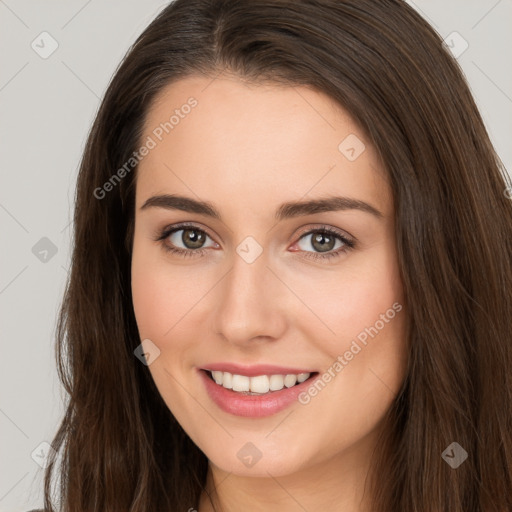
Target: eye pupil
[193,236]
[325,242]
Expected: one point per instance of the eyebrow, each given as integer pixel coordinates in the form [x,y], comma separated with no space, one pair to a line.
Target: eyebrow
[285,211]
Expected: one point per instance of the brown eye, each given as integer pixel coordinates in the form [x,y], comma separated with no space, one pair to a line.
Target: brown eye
[326,243]
[192,238]
[185,240]
[323,242]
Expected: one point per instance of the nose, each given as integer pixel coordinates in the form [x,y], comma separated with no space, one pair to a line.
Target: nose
[251,303]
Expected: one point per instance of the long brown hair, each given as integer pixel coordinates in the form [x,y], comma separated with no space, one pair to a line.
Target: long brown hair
[120,446]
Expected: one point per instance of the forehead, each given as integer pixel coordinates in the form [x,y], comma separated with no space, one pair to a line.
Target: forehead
[240,145]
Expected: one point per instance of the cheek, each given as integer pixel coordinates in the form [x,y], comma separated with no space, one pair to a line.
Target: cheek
[349,303]
[365,344]
[153,299]
[162,294]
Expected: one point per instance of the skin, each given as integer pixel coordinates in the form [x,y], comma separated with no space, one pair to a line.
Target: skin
[247,149]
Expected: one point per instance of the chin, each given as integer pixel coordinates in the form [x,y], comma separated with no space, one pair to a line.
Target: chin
[260,457]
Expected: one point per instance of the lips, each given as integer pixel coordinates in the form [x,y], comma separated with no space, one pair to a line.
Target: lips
[244,402]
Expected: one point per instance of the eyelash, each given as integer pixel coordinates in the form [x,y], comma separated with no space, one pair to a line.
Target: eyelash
[348,244]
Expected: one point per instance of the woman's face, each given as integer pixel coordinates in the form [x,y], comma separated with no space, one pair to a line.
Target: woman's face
[258,290]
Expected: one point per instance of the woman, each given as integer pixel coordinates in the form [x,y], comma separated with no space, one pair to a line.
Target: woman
[290,284]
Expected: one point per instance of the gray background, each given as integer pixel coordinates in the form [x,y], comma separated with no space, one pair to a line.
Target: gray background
[46,108]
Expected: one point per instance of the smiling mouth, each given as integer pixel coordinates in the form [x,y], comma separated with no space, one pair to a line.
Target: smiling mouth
[258,385]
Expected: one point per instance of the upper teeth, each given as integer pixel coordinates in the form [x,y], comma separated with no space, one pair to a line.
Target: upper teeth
[259,384]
